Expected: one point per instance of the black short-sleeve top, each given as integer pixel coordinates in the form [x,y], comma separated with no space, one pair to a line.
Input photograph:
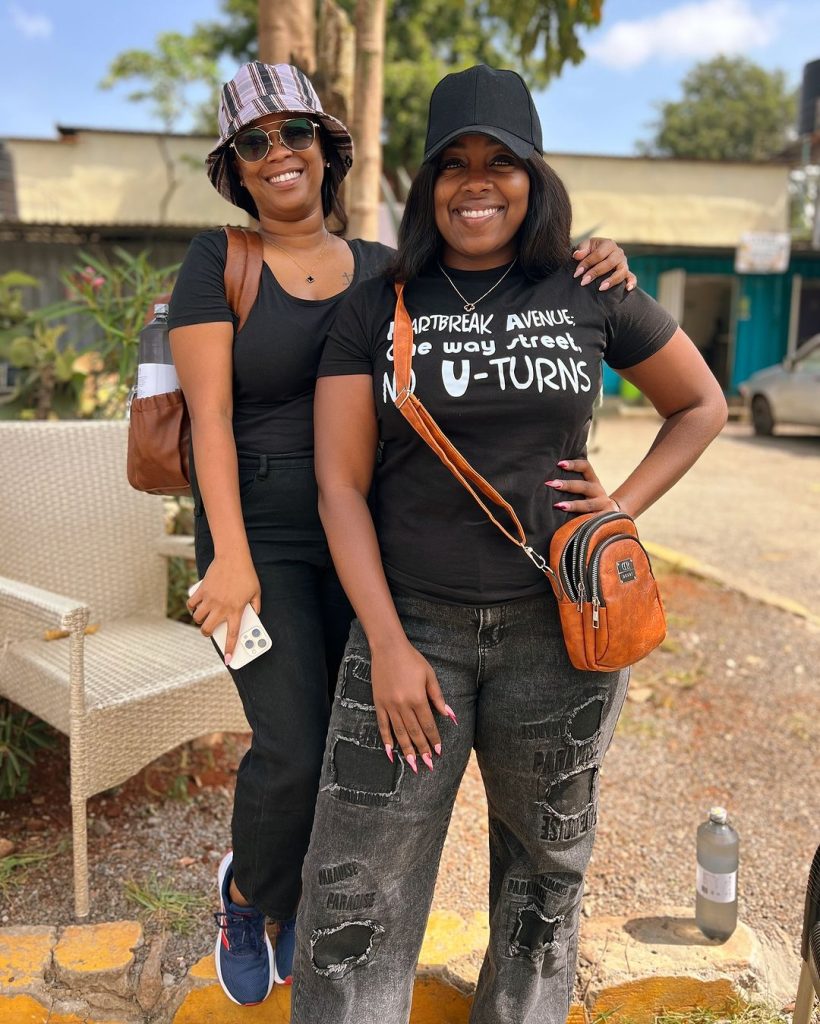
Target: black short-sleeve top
[512,384]
[276,354]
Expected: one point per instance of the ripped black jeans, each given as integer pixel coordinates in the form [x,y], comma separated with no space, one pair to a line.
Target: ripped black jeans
[540,729]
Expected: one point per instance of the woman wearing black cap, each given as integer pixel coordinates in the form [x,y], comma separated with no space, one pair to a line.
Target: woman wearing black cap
[281,159]
[457,643]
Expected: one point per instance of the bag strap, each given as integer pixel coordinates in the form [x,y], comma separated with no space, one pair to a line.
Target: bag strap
[243,270]
[431,433]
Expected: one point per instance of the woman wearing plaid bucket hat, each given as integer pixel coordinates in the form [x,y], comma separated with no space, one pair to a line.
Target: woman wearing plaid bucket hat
[281,159]
[457,645]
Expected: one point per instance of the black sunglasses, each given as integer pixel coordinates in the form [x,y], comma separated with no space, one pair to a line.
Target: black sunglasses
[254,144]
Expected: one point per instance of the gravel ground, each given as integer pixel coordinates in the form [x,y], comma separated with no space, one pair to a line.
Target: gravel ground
[725,713]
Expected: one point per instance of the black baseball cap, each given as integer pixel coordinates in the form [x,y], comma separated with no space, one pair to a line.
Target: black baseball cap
[483,101]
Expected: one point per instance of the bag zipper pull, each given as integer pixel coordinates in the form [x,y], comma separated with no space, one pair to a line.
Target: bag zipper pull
[596,604]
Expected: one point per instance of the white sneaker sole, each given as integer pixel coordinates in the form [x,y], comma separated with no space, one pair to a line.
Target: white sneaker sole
[225,863]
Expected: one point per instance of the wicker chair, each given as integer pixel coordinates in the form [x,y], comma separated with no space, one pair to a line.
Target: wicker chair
[80,547]
[809,986]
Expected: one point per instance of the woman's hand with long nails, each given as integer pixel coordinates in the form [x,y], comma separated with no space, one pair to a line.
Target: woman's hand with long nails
[225,589]
[601,257]
[404,688]
[588,494]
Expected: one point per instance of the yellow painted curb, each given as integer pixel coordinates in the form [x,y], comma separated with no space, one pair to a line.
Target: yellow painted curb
[639,1002]
[434,1002]
[211,1006]
[97,948]
[685,563]
[449,936]
[204,969]
[25,1010]
[24,955]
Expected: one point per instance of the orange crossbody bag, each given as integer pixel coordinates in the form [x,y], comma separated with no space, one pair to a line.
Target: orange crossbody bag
[608,599]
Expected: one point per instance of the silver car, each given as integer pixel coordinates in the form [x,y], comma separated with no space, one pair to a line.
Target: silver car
[787,393]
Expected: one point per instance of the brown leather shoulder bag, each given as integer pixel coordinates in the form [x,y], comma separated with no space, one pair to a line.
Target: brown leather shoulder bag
[608,600]
[159,428]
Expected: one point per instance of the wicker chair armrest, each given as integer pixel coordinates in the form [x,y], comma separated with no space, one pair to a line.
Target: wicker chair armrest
[177,546]
[48,608]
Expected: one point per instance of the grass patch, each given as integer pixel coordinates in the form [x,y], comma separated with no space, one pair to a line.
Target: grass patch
[162,903]
[13,869]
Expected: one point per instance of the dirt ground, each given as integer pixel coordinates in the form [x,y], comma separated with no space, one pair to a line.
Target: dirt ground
[726,712]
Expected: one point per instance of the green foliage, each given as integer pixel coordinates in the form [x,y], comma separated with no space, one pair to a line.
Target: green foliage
[426,40]
[54,378]
[47,377]
[13,869]
[732,109]
[48,380]
[22,736]
[177,62]
[115,294]
[12,310]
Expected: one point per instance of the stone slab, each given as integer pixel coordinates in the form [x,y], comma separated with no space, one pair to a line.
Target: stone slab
[25,1010]
[25,953]
[667,945]
[98,956]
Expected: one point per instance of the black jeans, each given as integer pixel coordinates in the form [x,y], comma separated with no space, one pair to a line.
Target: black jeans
[285,692]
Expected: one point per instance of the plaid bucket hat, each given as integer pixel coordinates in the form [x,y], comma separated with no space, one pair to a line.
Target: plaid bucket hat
[255,90]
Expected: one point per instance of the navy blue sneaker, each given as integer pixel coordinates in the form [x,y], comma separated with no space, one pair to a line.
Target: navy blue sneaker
[243,954]
[283,953]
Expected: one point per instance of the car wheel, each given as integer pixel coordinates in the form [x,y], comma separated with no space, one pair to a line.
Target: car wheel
[762,419]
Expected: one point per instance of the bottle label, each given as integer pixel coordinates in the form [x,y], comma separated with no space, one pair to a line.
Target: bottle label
[718,888]
[156,379]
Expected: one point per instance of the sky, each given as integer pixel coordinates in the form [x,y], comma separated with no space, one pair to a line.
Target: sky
[53,54]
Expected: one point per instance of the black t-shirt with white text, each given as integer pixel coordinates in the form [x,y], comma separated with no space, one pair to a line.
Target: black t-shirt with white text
[512,384]
[276,354]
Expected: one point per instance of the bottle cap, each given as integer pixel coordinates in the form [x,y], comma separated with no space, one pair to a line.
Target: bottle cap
[718,815]
[160,309]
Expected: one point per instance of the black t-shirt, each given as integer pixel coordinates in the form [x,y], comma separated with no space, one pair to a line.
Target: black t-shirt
[277,352]
[512,384]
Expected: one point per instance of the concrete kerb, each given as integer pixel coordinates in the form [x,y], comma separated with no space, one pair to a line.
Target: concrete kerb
[685,563]
[631,969]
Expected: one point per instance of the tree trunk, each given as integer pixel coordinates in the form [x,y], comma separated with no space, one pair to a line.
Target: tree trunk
[365,175]
[287,33]
[336,61]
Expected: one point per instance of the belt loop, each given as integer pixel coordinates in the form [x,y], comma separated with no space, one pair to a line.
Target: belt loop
[262,472]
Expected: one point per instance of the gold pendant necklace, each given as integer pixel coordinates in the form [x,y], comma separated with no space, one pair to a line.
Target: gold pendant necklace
[470,306]
[309,277]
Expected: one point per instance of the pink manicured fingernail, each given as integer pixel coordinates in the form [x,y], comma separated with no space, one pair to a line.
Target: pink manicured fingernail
[448,711]
[411,760]
[427,760]
[557,484]
[629,287]
[579,269]
[563,463]
[227,659]
[563,505]
[437,749]
[604,286]
[389,751]
[585,280]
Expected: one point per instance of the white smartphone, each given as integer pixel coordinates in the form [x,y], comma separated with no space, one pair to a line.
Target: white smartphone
[253,638]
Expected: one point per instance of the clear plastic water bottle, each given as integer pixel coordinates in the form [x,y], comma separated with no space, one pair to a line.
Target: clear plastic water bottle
[155,370]
[716,890]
